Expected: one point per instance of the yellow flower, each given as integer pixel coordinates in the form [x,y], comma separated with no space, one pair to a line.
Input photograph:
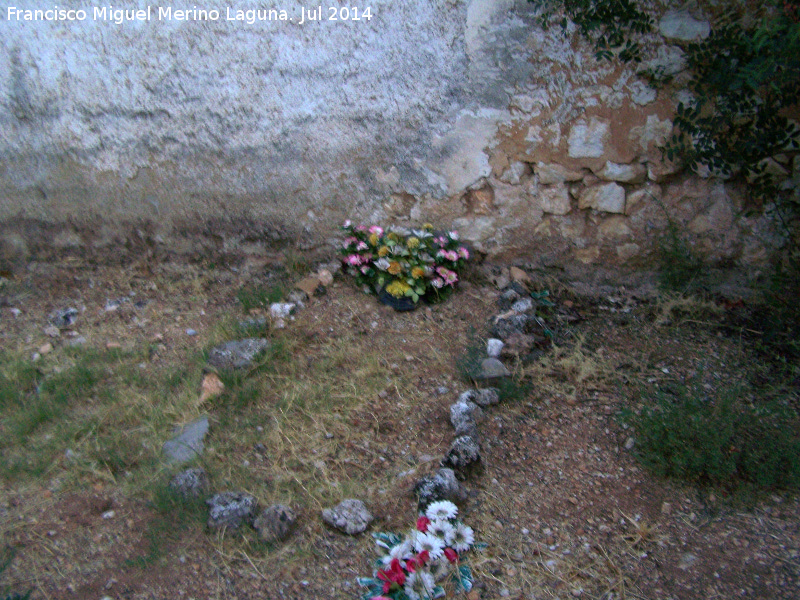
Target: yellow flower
[394,237]
[417,272]
[397,288]
[412,243]
[395,268]
[383,251]
[428,226]
[374,238]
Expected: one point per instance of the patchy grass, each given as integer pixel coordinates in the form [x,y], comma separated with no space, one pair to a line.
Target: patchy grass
[258,296]
[570,370]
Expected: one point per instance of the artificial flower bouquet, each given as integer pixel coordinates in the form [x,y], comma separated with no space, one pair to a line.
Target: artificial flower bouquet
[404,263]
[414,566]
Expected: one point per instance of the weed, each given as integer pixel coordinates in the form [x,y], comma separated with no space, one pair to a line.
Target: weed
[671,306]
[679,266]
[469,361]
[725,439]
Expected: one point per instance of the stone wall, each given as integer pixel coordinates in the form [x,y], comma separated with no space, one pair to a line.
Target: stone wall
[198,133]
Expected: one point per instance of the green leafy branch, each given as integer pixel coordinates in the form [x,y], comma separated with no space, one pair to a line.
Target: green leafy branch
[611,24]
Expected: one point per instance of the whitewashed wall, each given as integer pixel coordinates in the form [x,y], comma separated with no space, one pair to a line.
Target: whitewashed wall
[460,112]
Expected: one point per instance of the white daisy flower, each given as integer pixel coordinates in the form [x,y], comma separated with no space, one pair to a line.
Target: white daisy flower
[441,529]
[419,585]
[463,537]
[431,543]
[441,510]
[401,552]
[382,264]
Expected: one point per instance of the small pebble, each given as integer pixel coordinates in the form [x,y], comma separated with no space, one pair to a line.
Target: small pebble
[191,332]
[109,514]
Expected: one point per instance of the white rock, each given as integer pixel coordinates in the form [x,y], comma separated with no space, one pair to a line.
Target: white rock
[554,199]
[609,197]
[681,25]
[281,310]
[634,173]
[641,93]
[549,173]
[494,347]
[588,140]
[514,173]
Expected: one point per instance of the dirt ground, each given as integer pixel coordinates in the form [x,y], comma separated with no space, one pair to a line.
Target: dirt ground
[566,510]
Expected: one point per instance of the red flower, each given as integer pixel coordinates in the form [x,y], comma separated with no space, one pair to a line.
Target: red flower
[394,574]
[422,523]
[411,565]
[423,557]
[451,555]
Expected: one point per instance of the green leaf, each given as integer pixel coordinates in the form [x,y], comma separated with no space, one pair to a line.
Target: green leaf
[463,578]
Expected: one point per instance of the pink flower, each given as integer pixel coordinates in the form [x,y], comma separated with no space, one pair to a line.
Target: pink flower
[450,255]
[437,283]
[380,598]
[450,277]
[422,523]
[376,229]
[365,269]
[347,223]
[463,253]
[349,242]
[362,246]
[451,555]
[453,235]
[353,259]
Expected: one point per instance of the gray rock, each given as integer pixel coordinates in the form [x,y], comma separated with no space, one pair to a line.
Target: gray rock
[508,326]
[491,368]
[442,486]
[522,305]
[487,397]
[230,509]
[494,347]
[63,318]
[349,516]
[191,483]
[465,417]
[510,294]
[187,442]
[237,354]
[463,457]
[275,523]
[468,396]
